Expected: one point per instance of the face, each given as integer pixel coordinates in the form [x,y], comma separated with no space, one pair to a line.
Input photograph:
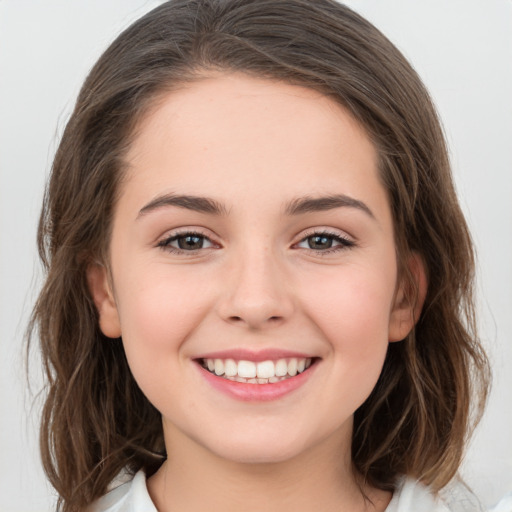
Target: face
[253,268]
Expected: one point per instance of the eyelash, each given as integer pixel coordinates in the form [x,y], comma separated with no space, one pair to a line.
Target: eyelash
[166,243]
[344,243]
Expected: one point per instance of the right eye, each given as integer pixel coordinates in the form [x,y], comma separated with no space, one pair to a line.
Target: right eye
[186,242]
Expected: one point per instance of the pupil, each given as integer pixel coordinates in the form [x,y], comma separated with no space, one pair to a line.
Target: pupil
[190,242]
[320,242]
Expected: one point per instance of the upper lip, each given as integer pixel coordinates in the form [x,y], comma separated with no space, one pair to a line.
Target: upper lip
[244,354]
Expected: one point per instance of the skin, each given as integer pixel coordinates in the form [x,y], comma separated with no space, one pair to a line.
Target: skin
[254,146]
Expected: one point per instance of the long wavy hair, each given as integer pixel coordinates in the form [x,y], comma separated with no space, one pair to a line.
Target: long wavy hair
[96,421]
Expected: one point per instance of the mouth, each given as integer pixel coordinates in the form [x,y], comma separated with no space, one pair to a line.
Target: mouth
[262,372]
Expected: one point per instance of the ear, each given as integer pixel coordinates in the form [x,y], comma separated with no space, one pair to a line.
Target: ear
[101,291]
[409,300]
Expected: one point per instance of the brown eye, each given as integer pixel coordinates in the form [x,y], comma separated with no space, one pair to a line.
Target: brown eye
[190,242]
[319,242]
[186,242]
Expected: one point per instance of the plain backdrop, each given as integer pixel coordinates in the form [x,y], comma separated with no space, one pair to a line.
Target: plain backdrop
[461,48]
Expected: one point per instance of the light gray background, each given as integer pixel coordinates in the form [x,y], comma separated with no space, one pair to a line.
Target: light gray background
[461,48]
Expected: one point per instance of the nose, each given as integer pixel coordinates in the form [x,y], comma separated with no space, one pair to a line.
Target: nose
[257,292]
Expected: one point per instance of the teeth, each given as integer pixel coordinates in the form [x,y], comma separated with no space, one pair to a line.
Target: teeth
[263,372]
[271,380]
[246,369]
[219,367]
[292,367]
[281,368]
[230,368]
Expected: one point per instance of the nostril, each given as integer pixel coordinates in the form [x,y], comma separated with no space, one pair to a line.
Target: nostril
[270,319]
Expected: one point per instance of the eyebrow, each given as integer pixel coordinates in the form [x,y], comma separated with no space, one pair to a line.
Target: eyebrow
[194,203]
[297,206]
[318,204]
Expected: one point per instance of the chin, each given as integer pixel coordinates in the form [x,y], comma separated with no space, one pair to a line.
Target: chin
[270,449]
[259,455]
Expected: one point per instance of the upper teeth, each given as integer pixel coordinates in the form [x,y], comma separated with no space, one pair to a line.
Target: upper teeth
[262,370]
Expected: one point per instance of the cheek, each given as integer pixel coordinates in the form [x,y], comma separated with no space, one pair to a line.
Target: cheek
[352,313]
[158,311]
[352,308]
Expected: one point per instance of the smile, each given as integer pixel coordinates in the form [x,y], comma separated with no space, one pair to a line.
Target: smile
[262,372]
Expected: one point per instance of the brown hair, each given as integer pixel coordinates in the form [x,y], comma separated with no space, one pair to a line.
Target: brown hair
[96,421]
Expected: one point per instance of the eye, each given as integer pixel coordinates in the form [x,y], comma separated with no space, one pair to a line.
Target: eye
[186,242]
[325,242]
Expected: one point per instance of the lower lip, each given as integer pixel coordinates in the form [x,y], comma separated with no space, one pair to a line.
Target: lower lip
[257,392]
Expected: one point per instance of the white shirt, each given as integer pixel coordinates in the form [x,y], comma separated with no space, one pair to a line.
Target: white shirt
[410,496]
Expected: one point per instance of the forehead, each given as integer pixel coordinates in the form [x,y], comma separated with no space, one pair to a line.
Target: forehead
[233,136]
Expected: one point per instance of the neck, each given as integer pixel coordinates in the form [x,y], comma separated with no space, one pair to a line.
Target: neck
[322,478]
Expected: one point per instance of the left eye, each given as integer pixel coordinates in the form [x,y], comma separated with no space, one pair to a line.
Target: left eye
[186,242]
[324,242]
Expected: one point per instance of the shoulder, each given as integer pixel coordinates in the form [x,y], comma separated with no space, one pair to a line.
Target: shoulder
[131,496]
[413,495]
[505,504]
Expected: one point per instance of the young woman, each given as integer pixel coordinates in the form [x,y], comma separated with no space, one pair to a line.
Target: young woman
[259,289]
